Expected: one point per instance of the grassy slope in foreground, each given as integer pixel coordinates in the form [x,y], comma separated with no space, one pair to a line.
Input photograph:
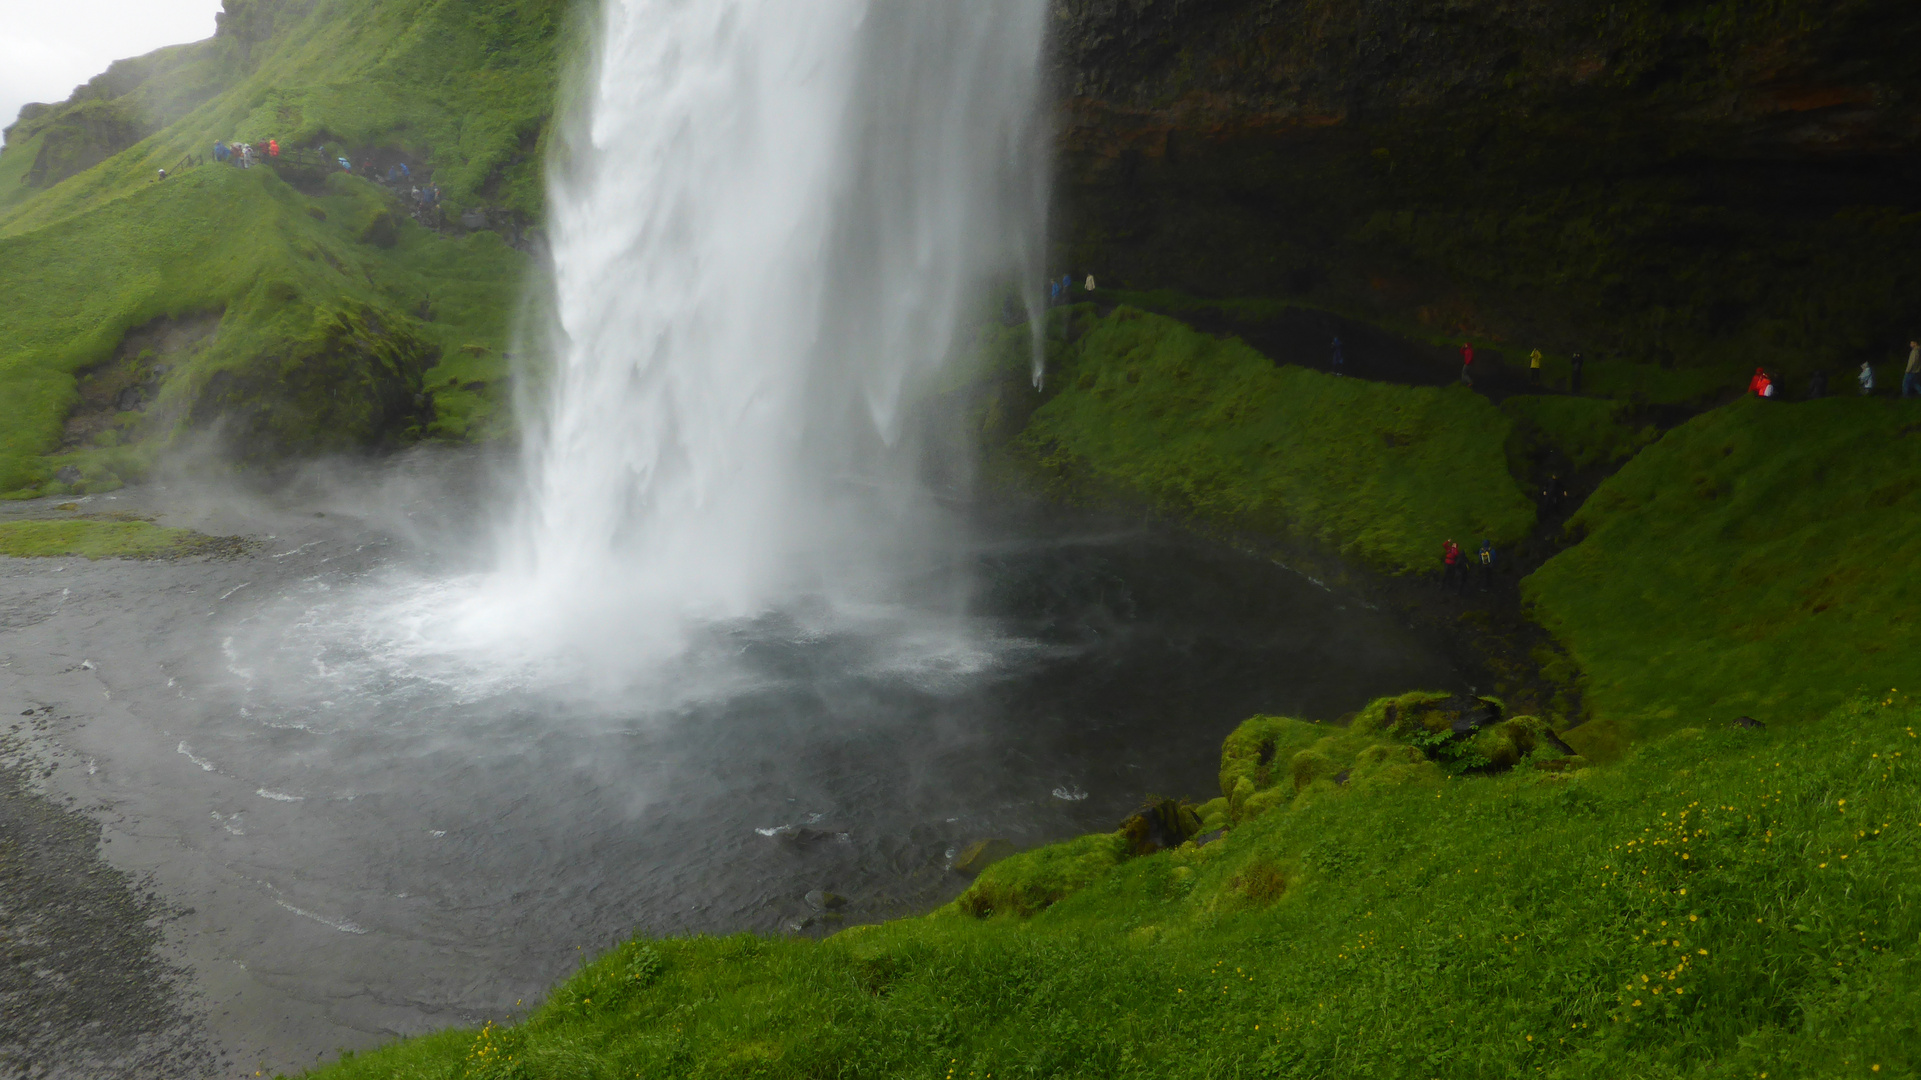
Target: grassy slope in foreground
[1761,559]
[1724,903]
[1209,427]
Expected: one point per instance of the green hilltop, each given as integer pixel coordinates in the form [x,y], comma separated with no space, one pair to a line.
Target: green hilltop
[1590,871]
[291,306]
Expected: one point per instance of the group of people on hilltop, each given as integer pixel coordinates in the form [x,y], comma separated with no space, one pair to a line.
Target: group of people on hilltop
[243,154]
[1766,384]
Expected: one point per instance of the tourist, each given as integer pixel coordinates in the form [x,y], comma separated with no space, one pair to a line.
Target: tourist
[1534,367]
[1574,373]
[1866,378]
[219,150]
[1759,385]
[1450,563]
[1818,384]
[162,176]
[1911,379]
[1553,493]
[1339,358]
[1067,287]
[273,148]
[1487,565]
[345,165]
[1053,294]
[1467,365]
[1090,283]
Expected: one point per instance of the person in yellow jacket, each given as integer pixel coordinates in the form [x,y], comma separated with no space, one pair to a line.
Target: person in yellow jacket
[1534,367]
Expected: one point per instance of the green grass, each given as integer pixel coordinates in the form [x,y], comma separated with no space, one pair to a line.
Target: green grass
[468,86]
[1761,559]
[242,245]
[338,330]
[1208,427]
[96,538]
[1724,903]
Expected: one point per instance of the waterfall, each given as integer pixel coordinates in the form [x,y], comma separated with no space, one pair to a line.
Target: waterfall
[766,232]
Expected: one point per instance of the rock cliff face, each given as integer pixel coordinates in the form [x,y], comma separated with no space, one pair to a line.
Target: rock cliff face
[1677,180]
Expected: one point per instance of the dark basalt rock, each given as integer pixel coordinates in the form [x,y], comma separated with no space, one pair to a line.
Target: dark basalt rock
[821,900]
[800,834]
[1748,722]
[982,854]
[1351,151]
[1161,824]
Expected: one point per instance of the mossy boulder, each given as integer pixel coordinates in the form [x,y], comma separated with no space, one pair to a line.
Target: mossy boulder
[1033,881]
[1415,738]
[1159,825]
[353,380]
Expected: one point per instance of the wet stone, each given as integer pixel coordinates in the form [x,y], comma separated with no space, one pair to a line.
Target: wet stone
[982,854]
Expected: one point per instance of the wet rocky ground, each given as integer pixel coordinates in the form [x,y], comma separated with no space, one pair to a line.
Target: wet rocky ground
[87,988]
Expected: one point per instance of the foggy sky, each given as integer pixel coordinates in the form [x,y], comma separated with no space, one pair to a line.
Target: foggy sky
[48,47]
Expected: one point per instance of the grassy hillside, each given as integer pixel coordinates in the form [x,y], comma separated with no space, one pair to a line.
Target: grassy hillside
[466,88]
[323,317]
[1761,559]
[1726,903]
[1208,427]
[324,340]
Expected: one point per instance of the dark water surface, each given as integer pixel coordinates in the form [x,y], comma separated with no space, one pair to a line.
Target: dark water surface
[380,854]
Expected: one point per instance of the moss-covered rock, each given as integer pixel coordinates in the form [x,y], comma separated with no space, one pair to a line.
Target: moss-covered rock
[353,380]
[1030,882]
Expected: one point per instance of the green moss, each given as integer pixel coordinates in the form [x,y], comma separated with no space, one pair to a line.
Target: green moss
[1032,881]
[1761,559]
[1208,427]
[97,538]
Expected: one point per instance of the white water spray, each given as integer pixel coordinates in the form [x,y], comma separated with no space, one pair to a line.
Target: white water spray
[764,242]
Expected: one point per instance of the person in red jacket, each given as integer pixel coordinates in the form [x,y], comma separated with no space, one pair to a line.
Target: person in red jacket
[1761,386]
[273,147]
[1467,367]
[1450,563]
